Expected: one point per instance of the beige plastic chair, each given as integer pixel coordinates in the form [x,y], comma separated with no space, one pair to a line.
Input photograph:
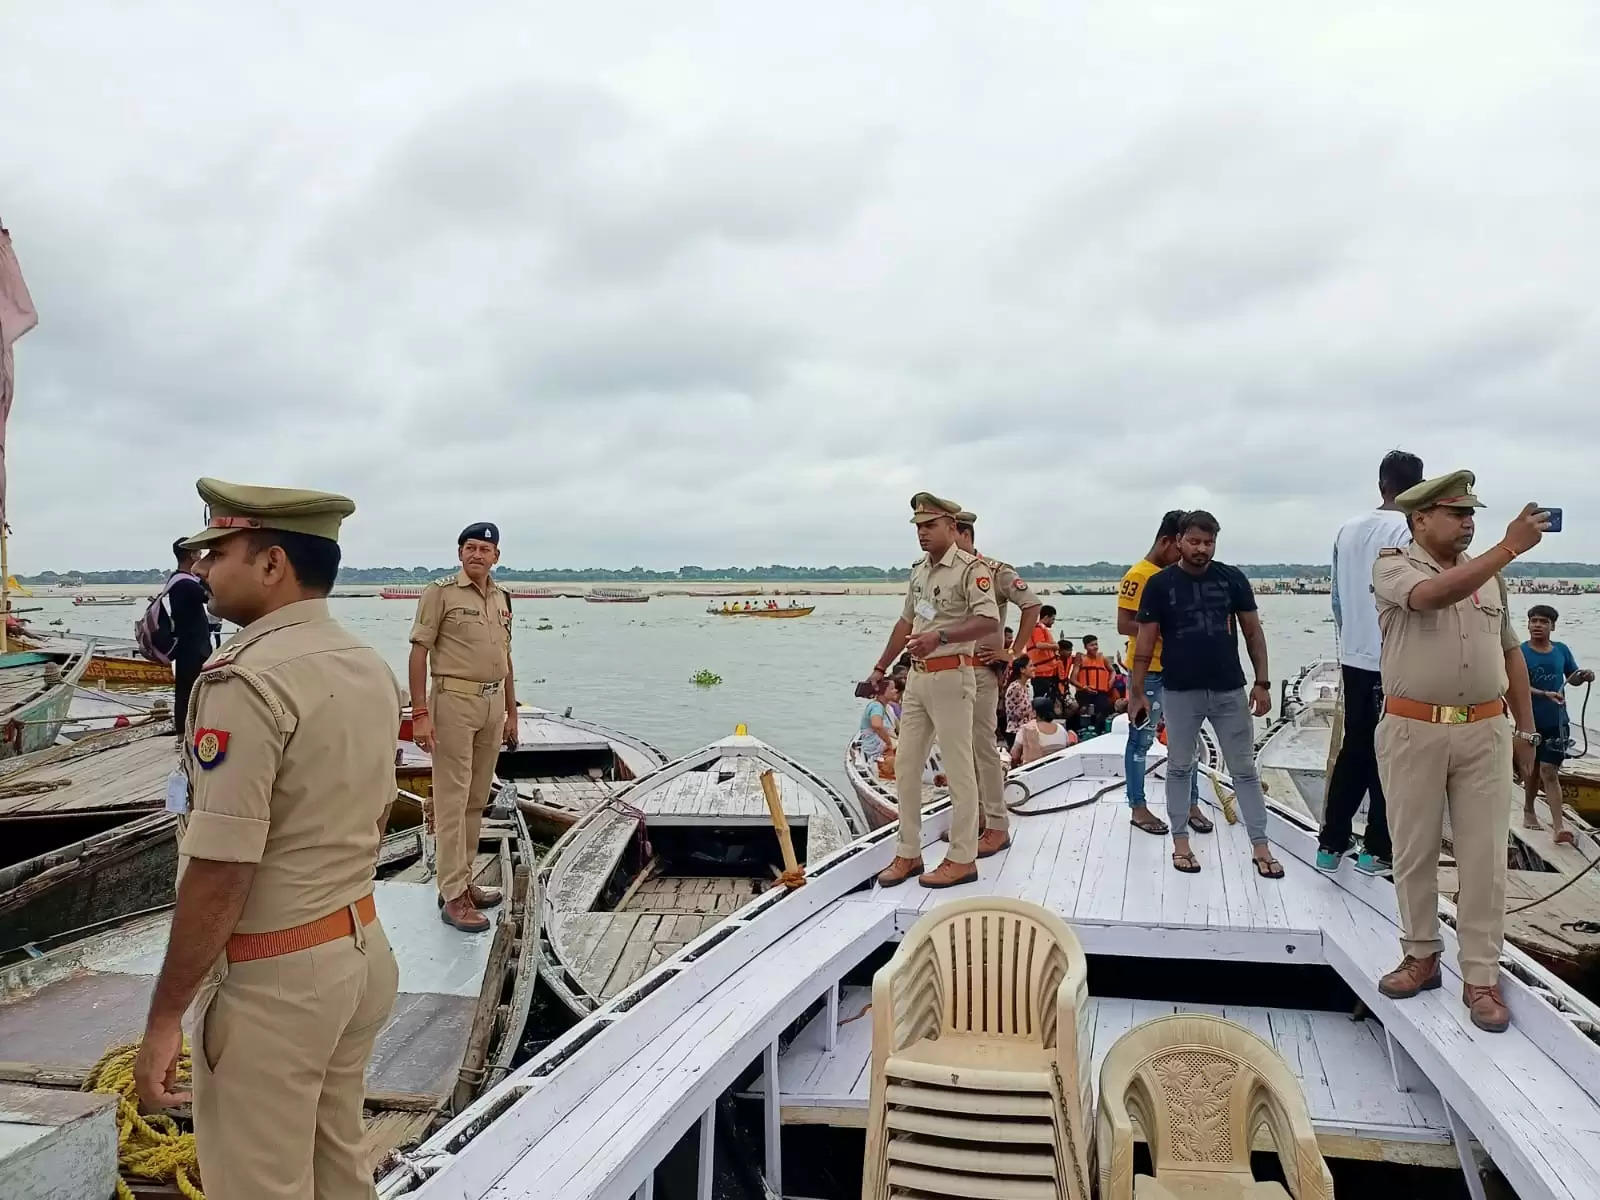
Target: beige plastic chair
[1200,1087]
[978,1087]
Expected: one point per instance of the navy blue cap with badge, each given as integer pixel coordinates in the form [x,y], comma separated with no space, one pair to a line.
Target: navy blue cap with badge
[483,531]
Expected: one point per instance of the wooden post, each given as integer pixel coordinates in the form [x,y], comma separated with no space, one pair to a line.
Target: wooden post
[5,591]
[708,1148]
[772,1111]
[769,787]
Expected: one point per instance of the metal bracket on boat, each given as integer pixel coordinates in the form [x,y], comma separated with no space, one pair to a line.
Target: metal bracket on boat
[421,1165]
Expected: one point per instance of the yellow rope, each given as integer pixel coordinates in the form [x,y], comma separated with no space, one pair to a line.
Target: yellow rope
[150,1147]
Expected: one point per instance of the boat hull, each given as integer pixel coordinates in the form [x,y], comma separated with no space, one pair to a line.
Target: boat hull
[126,672]
[771,614]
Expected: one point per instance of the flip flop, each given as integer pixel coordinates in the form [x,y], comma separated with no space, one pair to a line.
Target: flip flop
[1200,824]
[1155,825]
[1179,859]
[1566,838]
[1268,868]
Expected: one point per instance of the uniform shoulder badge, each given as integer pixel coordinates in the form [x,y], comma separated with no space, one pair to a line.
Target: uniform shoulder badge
[224,656]
[210,746]
[1021,584]
[983,583]
[1389,551]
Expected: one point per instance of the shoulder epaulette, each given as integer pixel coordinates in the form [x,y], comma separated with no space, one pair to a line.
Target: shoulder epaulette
[1389,550]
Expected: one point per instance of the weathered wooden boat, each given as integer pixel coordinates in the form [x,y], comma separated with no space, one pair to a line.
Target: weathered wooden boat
[103,601]
[877,795]
[455,1029]
[36,693]
[562,766]
[1552,894]
[1295,752]
[616,596]
[114,662]
[798,610]
[670,857]
[741,1060]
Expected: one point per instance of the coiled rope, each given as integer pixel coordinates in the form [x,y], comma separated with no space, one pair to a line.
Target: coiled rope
[151,1147]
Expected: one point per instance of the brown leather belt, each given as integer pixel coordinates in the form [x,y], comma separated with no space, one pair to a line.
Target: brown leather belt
[467,687]
[944,662]
[243,947]
[1443,714]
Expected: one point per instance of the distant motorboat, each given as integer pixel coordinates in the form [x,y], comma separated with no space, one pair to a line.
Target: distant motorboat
[796,610]
[616,596]
[103,601]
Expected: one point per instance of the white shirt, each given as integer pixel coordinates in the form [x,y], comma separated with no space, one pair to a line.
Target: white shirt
[1355,612]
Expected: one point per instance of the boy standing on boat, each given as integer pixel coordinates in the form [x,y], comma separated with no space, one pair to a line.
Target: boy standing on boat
[463,635]
[949,606]
[288,774]
[1550,668]
[1451,669]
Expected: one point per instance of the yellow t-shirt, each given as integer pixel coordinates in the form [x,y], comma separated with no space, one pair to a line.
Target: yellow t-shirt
[1128,596]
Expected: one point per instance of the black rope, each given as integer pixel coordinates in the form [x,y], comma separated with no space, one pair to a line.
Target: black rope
[1558,891]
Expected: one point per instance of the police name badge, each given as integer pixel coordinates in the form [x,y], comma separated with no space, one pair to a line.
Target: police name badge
[926,610]
[177,793]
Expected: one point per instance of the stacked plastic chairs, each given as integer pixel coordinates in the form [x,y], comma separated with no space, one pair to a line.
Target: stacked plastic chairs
[1199,1088]
[980,1070]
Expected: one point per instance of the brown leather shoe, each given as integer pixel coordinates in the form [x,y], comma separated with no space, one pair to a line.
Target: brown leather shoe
[949,874]
[1413,975]
[900,870]
[992,841]
[1487,1006]
[485,897]
[460,913]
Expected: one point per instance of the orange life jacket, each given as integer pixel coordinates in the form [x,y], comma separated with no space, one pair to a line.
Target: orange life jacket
[1043,653]
[1094,674]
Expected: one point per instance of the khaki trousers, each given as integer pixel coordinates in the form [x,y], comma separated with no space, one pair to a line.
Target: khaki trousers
[280,1058]
[938,706]
[468,733]
[1426,768]
[987,761]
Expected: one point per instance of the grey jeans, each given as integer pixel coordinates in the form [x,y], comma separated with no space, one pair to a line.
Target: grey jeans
[1229,714]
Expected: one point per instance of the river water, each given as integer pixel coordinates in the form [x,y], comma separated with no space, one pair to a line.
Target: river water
[631,665]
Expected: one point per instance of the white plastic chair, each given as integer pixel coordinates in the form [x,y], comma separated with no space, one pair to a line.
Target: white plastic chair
[1200,1087]
[978,1087]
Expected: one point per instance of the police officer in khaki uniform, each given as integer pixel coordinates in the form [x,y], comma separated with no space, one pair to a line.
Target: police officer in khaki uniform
[463,632]
[990,764]
[1451,669]
[287,775]
[949,604]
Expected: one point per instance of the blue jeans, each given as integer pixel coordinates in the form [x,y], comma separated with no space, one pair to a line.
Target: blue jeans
[1139,743]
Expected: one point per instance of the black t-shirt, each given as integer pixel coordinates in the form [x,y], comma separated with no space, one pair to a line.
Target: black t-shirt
[1199,637]
[191,624]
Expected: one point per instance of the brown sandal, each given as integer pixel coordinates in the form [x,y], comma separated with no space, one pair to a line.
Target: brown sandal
[1178,861]
[1268,868]
[1200,824]
[1153,825]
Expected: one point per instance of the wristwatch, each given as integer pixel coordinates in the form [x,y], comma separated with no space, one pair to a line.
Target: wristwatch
[1533,739]
[944,638]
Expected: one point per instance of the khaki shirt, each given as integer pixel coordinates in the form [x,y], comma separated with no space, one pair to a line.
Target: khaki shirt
[954,588]
[290,760]
[1009,588]
[467,633]
[1453,655]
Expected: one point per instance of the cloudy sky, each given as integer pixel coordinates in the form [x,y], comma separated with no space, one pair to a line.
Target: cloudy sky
[725,283]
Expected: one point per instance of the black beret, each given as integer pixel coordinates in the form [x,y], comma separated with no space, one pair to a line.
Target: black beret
[483,531]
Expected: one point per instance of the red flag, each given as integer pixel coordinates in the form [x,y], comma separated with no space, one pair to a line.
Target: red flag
[17,316]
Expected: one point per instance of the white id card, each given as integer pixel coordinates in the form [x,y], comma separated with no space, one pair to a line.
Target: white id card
[177,792]
[925,610]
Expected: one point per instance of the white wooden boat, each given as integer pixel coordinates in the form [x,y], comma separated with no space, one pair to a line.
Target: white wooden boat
[616,595]
[673,856]
[1293,754]
[763,1006]
[456,1025]
[877,795]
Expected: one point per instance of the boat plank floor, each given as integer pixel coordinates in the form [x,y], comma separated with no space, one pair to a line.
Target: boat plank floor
[129,774]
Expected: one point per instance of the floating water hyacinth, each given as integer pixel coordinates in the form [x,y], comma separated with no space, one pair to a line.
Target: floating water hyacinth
[705,678]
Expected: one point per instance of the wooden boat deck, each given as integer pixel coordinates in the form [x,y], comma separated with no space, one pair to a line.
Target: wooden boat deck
[655,1059]
[121,771]
[595,948]
[1342,1066]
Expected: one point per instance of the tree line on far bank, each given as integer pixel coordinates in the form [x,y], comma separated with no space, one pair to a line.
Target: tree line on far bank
[777,573]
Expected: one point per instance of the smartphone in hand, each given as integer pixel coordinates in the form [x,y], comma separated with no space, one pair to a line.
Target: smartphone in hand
[1555,519]
[864,690]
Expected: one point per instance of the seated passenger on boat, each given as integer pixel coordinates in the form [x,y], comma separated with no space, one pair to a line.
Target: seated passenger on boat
[878,721]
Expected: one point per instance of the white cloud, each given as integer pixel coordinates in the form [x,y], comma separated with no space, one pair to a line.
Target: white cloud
[727,283]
